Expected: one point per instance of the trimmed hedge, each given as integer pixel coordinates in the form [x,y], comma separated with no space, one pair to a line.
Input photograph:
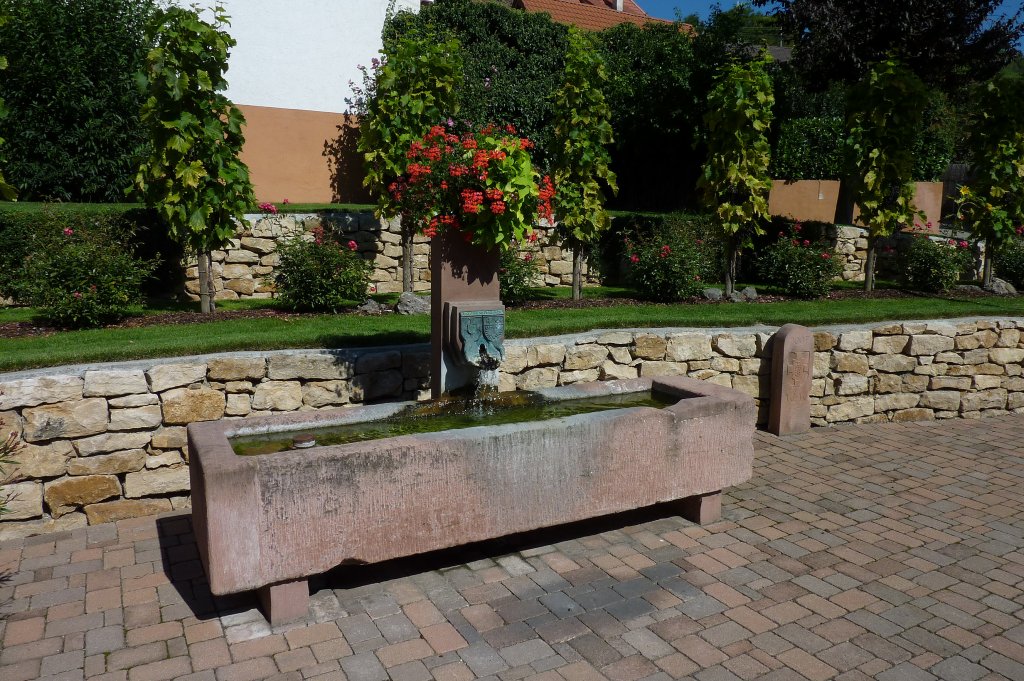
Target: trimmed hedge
[809,149]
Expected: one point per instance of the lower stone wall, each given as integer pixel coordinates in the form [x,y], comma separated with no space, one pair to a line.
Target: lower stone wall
[245,269]
[851,244]
[106,442]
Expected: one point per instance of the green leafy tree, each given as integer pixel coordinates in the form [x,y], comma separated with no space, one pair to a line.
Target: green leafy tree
[7,192]
[992,204]
[193,177]
[416,88]
[735,182]
[73,133]
[885,114]
[582,134]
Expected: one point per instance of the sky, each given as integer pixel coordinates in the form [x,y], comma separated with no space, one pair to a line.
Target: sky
[665,9]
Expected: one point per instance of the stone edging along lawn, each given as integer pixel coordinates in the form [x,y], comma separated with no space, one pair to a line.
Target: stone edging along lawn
[107,441]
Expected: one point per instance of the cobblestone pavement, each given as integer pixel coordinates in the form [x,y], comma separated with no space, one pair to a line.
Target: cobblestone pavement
[885,551]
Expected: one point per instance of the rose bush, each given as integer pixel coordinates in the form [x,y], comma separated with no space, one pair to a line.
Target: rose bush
[480,183]
[932,266]
[322,275]
[799,266]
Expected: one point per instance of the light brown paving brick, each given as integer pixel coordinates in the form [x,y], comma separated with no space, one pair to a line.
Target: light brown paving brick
[27,630]
[155,632]
[312,634]
[443,638]
[249,670]
[406,651]
[454,671]
[209,654]
[161,670]
[423,613]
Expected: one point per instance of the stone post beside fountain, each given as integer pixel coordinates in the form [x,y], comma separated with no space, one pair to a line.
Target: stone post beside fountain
[467,317]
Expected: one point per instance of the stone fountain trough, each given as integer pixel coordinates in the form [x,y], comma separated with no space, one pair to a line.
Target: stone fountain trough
[268,523]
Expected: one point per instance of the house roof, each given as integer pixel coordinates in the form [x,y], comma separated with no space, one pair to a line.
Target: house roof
[593,15]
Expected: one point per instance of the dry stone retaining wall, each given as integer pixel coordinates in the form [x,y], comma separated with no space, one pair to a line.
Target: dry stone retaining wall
[245,269]
[107,442]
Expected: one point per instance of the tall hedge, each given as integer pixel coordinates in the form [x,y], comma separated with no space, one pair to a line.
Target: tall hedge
[73,129]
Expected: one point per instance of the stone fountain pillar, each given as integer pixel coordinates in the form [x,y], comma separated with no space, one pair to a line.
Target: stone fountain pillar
[467,318]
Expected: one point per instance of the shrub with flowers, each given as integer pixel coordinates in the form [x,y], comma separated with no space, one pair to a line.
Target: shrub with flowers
[517,273]
[479,183]
[1009,259]
[85,277]
[799,266]
[667,265]
[323,274]
[935,266]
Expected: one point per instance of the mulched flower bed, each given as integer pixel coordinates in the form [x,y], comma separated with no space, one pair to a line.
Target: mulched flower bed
[32,328]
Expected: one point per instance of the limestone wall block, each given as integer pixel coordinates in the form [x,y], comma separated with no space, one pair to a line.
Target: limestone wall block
[916,414]
[914,328]
[584,357]
[132,401]
[888,345]
[1008,338]
[308,367]
[684,347]
[137,418]
[888,329]
[122,509]
[159,481]
[31,392]
[237,271]
[615,338]
[929,344]
[854,340]
[986,399]
[236,368]
[377,384]
[540,377]
[933,369]
[950,383]
[41,461]
[182,406]
[851,384]
[620,354]
[888,383]
[112,442]
[277,396]
[545,354]
[818,388]
[581,376]
[983,382]
[238,404]
[170,437]
[963,370]
[242,256]
[896,364]
[949,358]
[970,342]
[108,464]
[378,361]
[703,374]
[754,366]
[896,401]
[943,400]
[26,500]
[114,383]
[1006,355]
[324,394]
[611,370]
[987,337]
[65,419]
[755,386]
[66,494]
[1015,401]
[416,364]
[737,346]
[515,359]
[258,245]
[164,459]
[242,287]
[506,383]
[850,363]
[851,409]
[990,369]
[726,364]
[942,328]
[661,368]
[822,364]
[649,346]
[823,340]
[225,294]
[166,376]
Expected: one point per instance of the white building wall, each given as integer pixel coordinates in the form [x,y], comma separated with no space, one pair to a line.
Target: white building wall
[301,54]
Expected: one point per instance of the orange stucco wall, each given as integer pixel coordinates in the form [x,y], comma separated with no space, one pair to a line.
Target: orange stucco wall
[303,156]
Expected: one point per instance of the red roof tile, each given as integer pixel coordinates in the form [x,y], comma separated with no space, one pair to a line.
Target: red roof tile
[593,15]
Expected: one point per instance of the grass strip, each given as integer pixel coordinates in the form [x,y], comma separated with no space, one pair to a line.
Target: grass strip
[337,331]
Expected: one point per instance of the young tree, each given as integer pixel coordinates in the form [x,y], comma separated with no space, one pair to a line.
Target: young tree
[885,112]
[7,192]
[582,132]
[416,88]
[947,43]
[193,177]
[735,182]
[992,204]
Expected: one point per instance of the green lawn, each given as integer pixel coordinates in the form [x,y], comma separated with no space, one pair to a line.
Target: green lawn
[335,331]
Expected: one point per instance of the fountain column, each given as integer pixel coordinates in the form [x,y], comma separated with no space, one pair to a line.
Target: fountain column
[467,317]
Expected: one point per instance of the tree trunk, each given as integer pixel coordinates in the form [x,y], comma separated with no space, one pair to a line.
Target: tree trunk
[732,256]
[209,286]
[986,268]
[869,264]
[577,271]
[205,294]
[407,249]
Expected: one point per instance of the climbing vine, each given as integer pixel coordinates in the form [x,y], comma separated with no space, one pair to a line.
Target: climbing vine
[735,181]
[193,176]
[582,131]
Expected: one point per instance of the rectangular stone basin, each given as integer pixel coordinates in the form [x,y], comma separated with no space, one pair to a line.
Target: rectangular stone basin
[267,523]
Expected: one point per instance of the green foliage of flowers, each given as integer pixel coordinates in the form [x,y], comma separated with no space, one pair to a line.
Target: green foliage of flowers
[799,266]
[885,112]
[582,132]
[322,275]
[481,184]
[194,176]
[668,265]
[517,274]
[1009,260]
[73,132]
[9,446]
[932,266]
[809,149]
[416,87]
[85,278]
[991,206]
